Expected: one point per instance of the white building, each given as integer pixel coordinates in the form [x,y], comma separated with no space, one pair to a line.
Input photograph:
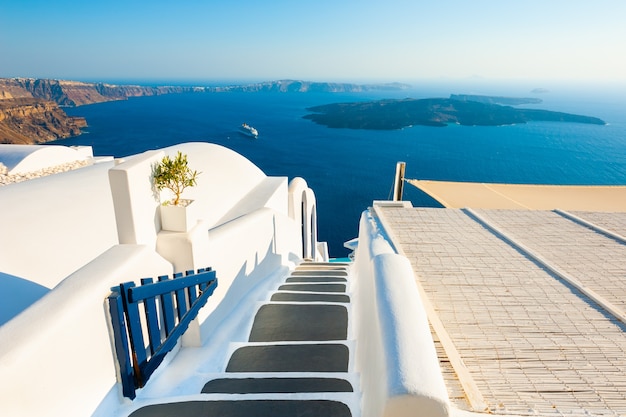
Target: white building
[69,238]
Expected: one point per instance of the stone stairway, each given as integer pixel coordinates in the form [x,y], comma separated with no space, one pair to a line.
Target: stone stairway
[296,361]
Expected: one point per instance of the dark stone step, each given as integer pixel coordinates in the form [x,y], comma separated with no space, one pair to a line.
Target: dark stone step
[313,287]
[319,273]
[275,385]
[316,279]
[290,358]
[310,297]
[299,322]
[324,265]
[309,271]
[247,408]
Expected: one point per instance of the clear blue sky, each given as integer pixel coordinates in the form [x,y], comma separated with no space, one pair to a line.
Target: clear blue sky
[321,40]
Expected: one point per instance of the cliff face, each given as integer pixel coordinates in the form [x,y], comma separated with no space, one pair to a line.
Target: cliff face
[34,88]
[30,120]
[77,93]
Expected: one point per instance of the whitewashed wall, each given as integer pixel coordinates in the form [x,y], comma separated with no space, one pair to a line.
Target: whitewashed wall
[56,358]
[400,374]
[52,226]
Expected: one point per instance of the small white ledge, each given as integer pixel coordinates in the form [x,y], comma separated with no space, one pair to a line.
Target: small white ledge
[20,159]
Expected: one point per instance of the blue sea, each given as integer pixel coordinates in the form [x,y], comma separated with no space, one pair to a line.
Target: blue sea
[348,169]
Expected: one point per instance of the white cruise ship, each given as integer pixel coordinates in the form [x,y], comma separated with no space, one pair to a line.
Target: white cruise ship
[248,130]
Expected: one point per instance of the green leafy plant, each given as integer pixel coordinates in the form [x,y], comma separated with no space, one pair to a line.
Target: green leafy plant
[175,175]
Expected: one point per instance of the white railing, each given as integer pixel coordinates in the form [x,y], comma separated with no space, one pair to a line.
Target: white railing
[400,374]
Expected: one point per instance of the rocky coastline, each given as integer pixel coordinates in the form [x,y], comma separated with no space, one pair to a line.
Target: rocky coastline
[32,120]
[78,93]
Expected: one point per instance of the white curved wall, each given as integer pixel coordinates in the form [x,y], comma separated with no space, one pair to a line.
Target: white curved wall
[20,159]
[225,177]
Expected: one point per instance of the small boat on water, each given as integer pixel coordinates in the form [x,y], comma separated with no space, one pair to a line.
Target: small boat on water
[248,130]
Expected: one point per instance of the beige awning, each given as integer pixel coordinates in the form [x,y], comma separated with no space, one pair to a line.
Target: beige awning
[530,197]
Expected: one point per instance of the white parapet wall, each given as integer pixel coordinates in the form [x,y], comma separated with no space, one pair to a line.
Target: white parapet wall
[415,384]
[400,374]
[52,226]
[21,159]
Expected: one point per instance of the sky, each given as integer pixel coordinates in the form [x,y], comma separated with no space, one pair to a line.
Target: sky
[321,40]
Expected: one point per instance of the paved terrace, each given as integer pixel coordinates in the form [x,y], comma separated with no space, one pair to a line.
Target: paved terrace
[527,307]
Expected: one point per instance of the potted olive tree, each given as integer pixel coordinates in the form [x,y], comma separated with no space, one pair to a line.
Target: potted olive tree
[175,175]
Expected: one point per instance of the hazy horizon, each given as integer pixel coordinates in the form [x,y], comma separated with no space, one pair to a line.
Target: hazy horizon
[449,85]
[398,40]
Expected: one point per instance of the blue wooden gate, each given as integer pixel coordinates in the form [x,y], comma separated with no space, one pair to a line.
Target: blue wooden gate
[148,320]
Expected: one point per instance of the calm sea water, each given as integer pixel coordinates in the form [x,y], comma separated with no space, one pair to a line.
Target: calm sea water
[348,169]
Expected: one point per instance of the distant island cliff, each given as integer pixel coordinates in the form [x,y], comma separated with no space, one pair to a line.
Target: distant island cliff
[468,111]
[507,101]
[30,108]
[294,86]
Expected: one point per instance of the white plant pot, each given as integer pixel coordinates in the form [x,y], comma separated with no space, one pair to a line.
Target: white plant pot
[179,218]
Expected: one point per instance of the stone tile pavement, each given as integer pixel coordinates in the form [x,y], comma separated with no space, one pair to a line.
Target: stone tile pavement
[532,343]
